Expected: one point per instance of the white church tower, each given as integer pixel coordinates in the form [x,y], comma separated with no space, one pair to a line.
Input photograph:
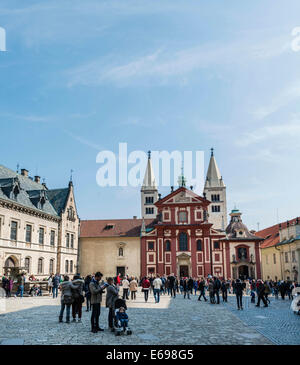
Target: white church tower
[215,191]
[149,192]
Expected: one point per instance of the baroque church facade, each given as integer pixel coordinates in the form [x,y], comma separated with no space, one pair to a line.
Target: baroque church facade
[182,233]
[39,227]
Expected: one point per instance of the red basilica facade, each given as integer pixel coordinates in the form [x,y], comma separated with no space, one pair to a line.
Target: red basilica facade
[181,240]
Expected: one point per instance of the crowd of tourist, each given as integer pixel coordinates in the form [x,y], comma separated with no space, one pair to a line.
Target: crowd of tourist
[91,288]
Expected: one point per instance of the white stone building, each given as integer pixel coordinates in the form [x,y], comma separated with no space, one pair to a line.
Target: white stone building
[39,227]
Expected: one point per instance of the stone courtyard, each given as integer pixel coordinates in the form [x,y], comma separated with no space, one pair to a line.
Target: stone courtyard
[179,321]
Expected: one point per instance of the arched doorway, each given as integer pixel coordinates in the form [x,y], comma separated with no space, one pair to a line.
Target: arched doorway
[9,263]
[243,272]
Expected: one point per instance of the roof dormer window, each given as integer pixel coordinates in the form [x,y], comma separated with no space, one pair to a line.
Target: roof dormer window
[108,227]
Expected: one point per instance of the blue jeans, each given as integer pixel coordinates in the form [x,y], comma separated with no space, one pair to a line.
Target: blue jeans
[55,291]
[156,293]
[124,323]
[62,309]
[20,291]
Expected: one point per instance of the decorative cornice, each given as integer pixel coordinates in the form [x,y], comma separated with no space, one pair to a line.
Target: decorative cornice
[20,208]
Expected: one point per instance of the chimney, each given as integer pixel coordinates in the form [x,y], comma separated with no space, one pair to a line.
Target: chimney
[172,189]
[37,179]
[24,172]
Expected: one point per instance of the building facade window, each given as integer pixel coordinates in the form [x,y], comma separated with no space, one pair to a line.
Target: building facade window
[149,210]
[216,209]
[183,241]
[67,266]
[274,258]
[182,216]
[121,252]
[72,241]
[41,235]
[293,256]
[199,245]
[28,233]
[150,246]
[52,238]
[149,200]
[216,245]
[40,266]
[71,266]
[286,257]
[14,230]
[68,240]
[51,266]
[215,197]
[27,265]
[167,245]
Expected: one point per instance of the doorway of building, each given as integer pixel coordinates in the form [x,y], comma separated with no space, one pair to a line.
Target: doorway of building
[121,270]
[243,272]
[184,271]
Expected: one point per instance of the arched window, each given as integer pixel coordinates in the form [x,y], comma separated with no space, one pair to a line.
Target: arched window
[167,245]
[199,245]
[40,266]
[51,266]
[121,251]
[67,266]
[27,264]
[71,266]
[183,242]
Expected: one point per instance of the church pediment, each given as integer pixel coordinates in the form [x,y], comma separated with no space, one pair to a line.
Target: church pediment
[181,196]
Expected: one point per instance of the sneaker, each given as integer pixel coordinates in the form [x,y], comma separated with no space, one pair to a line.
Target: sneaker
[60,320]
[74,320]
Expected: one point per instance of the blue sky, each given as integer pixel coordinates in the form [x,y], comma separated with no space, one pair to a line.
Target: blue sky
[79,77]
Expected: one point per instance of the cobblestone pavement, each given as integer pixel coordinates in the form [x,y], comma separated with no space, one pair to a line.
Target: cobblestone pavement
[276,322]
[171,322]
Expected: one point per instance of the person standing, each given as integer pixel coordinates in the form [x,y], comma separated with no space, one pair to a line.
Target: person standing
[195,285]
[267,291]
[239,290]
[56,282]
[21,285]
[66,298]
[50,283]
[157,284]
[96,297]
[125,285]
[202,289]
[145,288]
[224,291]
[211,291]
[112,294]
[133,288]
[186,290]
[78,297]
[172,280]
[86,289]
[217,287]
[261,294]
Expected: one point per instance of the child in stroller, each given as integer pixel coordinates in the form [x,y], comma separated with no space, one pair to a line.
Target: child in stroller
[121,318]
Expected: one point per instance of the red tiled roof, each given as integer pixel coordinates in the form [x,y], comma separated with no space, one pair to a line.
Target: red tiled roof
[121,227]
[271,234]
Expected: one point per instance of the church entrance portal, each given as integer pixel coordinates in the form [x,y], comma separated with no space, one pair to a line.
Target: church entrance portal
[243,272]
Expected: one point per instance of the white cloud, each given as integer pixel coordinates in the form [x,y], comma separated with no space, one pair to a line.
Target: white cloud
[270,132]
[163,63]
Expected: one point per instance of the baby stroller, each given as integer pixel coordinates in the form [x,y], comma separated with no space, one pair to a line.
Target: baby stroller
[119,329]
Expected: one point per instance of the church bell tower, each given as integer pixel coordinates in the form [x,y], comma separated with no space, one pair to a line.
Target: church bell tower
[149,192]
[215,191]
